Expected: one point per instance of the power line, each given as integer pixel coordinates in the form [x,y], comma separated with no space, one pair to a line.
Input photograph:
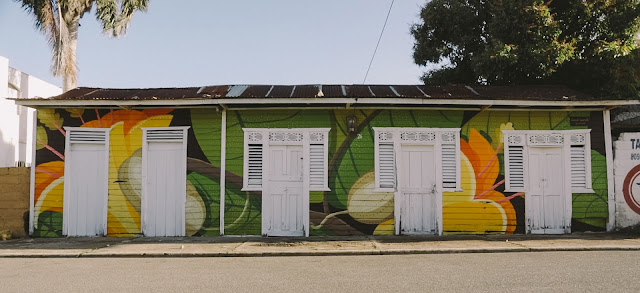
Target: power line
[378,44]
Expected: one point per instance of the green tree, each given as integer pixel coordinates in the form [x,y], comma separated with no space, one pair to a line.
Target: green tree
[59,21]
[588,44]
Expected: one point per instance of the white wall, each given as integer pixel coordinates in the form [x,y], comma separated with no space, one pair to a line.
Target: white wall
[627,179]
[16,122]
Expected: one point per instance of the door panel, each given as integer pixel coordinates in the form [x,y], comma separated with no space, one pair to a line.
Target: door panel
[165,189]
[417,190]
[545,201]
[84,207]
[284,198]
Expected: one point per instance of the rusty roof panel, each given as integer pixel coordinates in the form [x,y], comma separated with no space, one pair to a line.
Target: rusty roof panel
[359,91]
[530,92]
[448,91]
[460,92]
[408,91]
[333,91]
[383,91]
[215,91]
[281,91]
[256,91]
[306,91]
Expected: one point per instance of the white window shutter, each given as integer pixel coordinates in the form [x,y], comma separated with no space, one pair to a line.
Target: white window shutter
[386,166]
[515,171]
[579,167]
[317,164]
[449,166]
[254,166]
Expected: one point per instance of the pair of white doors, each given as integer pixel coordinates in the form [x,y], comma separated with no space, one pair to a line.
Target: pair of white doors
[546,200]
[163,181]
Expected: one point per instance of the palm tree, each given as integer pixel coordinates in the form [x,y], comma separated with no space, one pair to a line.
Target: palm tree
[59,20]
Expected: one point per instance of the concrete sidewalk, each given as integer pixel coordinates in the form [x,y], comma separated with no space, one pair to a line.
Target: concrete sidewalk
[292,246]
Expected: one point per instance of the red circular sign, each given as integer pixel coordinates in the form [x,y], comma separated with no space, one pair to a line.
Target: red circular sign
[631,189]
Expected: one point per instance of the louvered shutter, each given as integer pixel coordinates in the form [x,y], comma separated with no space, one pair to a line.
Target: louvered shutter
[254,166]
[579,167]
[449,166]
[386,166]
[515,173]
[317,163]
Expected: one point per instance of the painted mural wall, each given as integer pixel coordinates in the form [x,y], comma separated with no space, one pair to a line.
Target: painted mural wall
[350,208]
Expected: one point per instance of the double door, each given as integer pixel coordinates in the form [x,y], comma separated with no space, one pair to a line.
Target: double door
[546,208]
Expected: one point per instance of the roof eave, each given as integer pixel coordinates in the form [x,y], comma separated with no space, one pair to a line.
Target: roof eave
[317,102]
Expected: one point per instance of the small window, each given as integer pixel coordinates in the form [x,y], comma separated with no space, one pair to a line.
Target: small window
[256,144]
[388,140]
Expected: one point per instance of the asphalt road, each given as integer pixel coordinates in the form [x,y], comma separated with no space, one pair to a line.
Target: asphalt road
[605,271]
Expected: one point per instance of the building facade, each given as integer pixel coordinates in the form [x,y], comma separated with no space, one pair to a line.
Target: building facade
[322,160]
[16,122]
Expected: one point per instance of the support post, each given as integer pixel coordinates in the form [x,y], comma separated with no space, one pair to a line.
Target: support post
[223,161]
[608,143]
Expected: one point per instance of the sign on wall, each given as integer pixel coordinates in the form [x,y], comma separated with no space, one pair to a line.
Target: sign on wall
[627,176]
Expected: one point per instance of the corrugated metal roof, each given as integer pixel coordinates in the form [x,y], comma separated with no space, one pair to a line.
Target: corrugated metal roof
[457,92]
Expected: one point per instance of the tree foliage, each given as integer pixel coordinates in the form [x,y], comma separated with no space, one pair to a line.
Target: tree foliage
[588,44]
[59,20]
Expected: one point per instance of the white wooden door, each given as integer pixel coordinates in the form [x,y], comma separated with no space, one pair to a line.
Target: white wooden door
[546,199]
[85,189]
[417,190]
[164,189]
[283,199]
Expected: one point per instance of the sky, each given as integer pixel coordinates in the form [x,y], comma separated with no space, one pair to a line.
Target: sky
[216,42]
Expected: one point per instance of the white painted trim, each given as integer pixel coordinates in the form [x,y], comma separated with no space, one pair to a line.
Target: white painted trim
[223,167]
[143,190]
[320,101]
[608,145]
[32,183]
[67,179]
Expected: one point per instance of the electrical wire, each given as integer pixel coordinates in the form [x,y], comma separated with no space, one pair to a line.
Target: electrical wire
[378,44]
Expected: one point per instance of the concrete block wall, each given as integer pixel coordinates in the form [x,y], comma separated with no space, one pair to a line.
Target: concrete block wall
[14,200]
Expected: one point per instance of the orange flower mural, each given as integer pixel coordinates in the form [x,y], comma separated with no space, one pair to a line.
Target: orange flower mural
[125,159]
[478,208]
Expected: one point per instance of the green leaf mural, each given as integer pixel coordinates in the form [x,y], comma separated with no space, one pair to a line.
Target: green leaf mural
[209,190]
[488,122]
[592,208]
[49,225]
[356,158]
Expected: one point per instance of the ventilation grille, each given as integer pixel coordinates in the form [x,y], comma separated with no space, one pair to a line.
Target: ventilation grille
[87,136]
[165,135]
[254,166]
[387,167]
[578,167]
[449,162]
[515,164]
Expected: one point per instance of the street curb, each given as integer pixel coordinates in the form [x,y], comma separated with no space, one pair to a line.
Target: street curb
[318,253]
